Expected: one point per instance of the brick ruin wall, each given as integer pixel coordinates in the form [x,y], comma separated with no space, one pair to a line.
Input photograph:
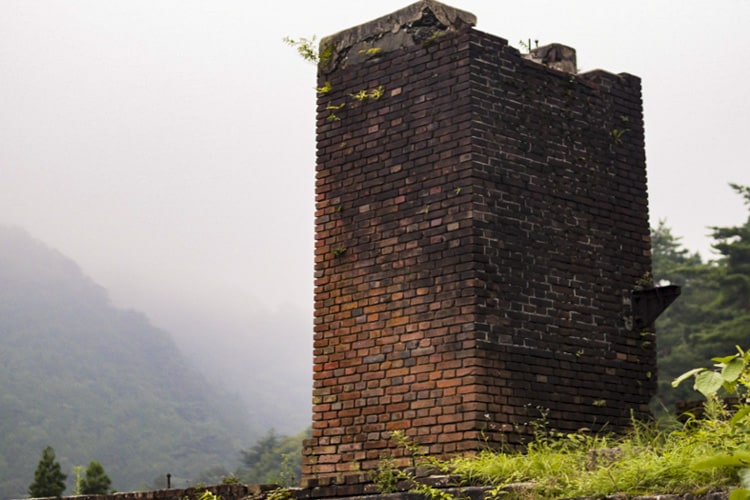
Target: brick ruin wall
[479,229]
[561,220]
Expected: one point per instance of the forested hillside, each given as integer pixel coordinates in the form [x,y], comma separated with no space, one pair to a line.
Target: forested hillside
[712,315]
[98,383]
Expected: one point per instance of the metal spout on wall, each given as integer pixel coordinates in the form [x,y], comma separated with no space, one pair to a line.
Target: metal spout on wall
[649,303]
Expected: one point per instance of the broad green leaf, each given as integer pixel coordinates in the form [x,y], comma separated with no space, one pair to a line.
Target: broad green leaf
[738,459]
[744,475]
[707,383]
[687,375]
[733,369]
[729,386]
[725,359]
[739,494]
[741,413]
[717,461]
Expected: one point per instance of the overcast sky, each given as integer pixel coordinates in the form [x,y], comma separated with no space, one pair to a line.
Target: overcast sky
[168,146]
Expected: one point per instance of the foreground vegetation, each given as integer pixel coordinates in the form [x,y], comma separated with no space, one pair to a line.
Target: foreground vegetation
[668,458]
[647,461]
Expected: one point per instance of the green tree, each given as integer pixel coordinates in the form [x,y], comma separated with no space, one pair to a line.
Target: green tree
[733,243]
[676,326]
[96,481]
[713,313]
[273,459]
[78,470]
[730,308]
[49,481]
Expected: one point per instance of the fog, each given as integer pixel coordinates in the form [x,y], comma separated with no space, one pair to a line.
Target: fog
[168,146]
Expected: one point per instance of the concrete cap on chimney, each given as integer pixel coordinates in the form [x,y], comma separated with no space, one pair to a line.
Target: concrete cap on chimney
[418,24]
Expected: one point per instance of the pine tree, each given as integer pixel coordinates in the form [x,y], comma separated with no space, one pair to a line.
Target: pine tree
[731,305]
[274,459]
[712,315]
[49,481]
[733,243]
[684,318]
[97,481]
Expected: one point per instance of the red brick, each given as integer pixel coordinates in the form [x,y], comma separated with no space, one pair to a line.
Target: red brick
[491,225]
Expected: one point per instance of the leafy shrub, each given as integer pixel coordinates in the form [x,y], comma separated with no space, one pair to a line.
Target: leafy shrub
[730,374]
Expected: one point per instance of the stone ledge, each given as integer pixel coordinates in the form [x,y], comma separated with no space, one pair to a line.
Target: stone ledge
[520,490]
[556,56]
[416,24]
[358,492]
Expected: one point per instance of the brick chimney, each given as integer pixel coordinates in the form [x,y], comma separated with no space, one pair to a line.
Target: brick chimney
[481,225]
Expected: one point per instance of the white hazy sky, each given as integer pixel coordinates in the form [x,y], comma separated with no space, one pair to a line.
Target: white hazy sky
[168,145]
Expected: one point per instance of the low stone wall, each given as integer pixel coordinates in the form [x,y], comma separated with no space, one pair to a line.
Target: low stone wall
[447,484]
[225,491]
[482,492]
[358,492]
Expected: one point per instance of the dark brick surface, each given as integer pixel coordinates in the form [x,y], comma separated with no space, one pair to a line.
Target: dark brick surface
[479,229]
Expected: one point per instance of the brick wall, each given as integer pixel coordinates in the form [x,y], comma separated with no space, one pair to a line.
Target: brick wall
[560,216]
[481,220]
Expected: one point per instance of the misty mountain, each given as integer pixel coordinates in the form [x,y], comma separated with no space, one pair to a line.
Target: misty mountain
[100,383]
[266,359]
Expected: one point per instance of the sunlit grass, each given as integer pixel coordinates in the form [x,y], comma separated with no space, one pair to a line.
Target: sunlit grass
[651,459]
[664,458]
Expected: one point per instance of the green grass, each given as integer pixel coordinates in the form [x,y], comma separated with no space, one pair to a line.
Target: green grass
[651,459]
